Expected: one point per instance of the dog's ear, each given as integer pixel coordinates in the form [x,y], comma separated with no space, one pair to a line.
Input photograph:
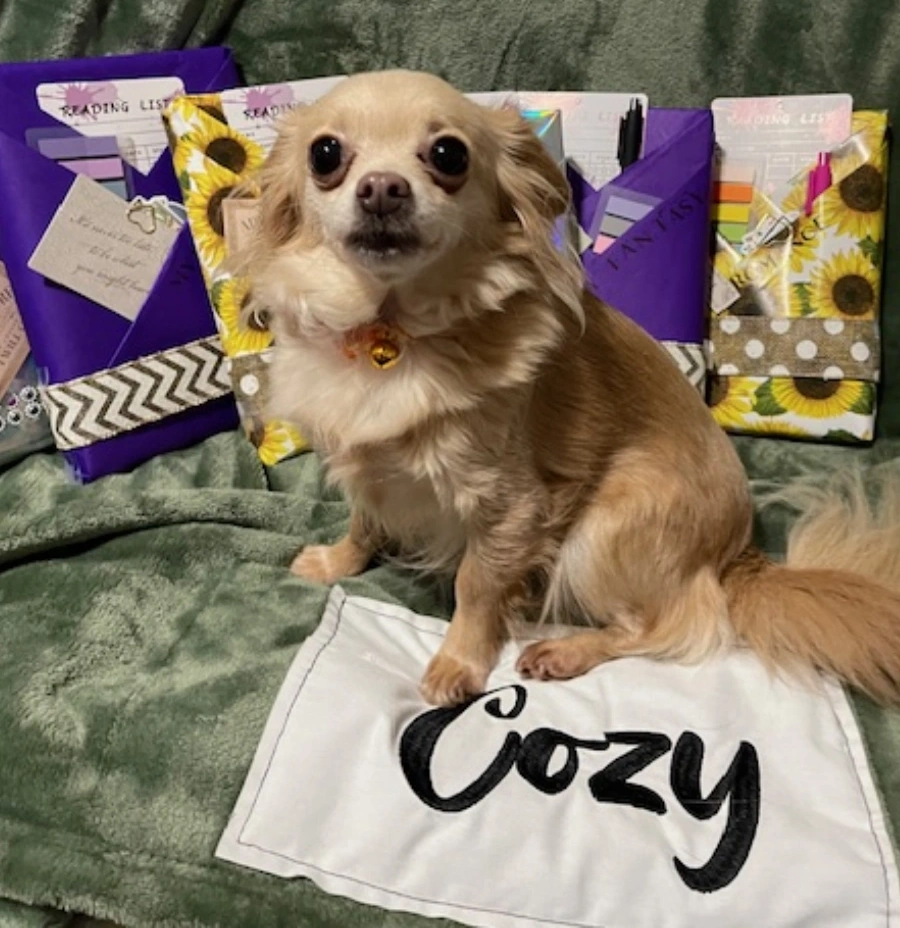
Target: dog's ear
[533,191]
[276,187]
[533,194]
[280,182]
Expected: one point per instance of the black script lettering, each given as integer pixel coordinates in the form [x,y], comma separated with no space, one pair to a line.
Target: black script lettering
[419,740]
[611,784]
[533,756]
[807,231]
[741,782]
[538,749]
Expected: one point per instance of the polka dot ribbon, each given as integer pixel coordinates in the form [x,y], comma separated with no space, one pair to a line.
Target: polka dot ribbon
[830,349]
[250,379]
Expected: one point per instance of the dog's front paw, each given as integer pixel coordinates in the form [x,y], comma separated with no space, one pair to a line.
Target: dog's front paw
[449,681]
[556,659]
[322,564]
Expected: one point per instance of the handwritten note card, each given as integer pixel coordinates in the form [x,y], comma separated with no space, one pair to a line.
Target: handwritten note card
[92,247]
[13,344]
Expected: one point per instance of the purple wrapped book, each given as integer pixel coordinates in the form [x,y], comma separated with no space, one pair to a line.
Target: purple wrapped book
[646,251]
[118,390]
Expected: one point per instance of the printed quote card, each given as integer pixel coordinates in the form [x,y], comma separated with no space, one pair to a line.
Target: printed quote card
[97,248]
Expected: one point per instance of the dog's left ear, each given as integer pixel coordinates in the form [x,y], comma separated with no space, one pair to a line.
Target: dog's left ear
[280,180]
[276,187]
[533,190]
[534,193]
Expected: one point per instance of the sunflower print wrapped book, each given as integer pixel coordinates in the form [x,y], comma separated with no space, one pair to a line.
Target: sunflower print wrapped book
[794,336]
[211,160]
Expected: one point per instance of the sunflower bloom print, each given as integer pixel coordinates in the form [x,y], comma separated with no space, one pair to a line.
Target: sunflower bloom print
[204,206]
[845,287]
[275,441]
[855,205]
[213,161]
[731,399]
[228,148]
[239,336]
[812,398]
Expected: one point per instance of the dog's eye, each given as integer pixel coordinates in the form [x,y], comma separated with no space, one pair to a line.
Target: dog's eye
[325,156]
[449,156]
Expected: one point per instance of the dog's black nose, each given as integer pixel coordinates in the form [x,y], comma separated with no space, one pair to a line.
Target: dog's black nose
[382,192]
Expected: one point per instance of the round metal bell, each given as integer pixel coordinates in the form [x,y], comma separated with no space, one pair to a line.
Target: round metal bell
[384,353]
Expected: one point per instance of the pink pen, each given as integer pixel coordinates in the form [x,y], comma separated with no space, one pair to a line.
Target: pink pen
[819,181]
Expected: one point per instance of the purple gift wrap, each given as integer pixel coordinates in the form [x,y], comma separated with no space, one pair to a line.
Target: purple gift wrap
[656,271]
[70,335]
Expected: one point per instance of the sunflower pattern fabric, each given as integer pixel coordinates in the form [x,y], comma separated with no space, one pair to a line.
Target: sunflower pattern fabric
[796,353]
[212,160]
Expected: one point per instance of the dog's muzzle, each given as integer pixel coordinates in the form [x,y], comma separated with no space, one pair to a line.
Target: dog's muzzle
[383,240]
[384,227]
[383,193]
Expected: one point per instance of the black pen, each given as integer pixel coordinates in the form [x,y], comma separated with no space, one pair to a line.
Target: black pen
[631,131]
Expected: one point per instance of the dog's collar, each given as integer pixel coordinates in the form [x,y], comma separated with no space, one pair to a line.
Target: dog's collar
[381,342]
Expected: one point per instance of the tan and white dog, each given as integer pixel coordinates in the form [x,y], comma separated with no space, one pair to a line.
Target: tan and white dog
[485,414]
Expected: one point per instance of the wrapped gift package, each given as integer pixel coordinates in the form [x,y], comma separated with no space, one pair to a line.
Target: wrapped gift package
[119,386]
[655,270]
[794,323]
[212,159]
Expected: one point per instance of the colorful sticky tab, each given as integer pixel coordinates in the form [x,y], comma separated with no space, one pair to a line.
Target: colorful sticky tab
[96,157]
[732,195]
[731,212]
[617,211]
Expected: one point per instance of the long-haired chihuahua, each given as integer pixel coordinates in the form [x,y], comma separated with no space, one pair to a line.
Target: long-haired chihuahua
[486,415]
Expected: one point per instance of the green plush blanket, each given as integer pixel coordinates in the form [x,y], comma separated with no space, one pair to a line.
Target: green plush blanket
[149,619]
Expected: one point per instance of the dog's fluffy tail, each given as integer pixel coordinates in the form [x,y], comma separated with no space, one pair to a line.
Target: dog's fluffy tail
[835,603]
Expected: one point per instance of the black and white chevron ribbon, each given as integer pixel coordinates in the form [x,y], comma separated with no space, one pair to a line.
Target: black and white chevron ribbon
[120,399]
[691,360]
